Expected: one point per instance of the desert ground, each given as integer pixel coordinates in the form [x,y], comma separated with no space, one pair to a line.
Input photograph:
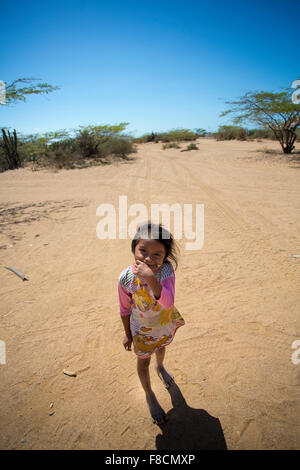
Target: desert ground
[237,385]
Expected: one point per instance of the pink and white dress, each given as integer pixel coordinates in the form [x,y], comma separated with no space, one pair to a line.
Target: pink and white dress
[153,322]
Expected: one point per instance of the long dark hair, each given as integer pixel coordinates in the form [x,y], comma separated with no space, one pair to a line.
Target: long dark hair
[158,232]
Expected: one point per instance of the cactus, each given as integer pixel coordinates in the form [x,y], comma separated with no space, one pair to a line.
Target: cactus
[10,144]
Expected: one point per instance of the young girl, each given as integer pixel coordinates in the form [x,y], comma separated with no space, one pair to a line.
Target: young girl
[146,298]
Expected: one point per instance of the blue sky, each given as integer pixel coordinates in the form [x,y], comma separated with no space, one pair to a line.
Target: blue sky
[158,65]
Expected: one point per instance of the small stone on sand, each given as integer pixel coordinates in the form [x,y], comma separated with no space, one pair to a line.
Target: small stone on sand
[69,373]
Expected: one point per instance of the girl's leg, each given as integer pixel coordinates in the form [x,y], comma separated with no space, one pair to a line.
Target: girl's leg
[166,378]
[156,411]
[143,373]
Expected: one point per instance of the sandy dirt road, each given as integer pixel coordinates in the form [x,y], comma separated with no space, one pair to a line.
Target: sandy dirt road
[237,386]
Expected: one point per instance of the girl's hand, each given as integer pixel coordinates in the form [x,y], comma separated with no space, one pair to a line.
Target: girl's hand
[142,270]
[127,342]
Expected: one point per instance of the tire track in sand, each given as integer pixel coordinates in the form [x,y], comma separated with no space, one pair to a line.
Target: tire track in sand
[251,241]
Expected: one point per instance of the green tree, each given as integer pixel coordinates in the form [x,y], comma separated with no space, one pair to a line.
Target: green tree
[275,111]
[201,132]
[16,91]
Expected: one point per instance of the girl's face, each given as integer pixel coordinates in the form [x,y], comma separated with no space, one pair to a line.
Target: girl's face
[151,252]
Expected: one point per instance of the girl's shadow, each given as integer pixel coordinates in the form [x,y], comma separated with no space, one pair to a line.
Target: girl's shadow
[188,428]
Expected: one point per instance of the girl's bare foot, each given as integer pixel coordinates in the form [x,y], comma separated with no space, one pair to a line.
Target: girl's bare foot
[156,411]
[166,378]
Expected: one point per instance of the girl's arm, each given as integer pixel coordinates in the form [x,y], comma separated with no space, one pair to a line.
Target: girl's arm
[124,301]
[125,308]
[126,325]
[127,341]
[155,285]
[164,292]
[167,294]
